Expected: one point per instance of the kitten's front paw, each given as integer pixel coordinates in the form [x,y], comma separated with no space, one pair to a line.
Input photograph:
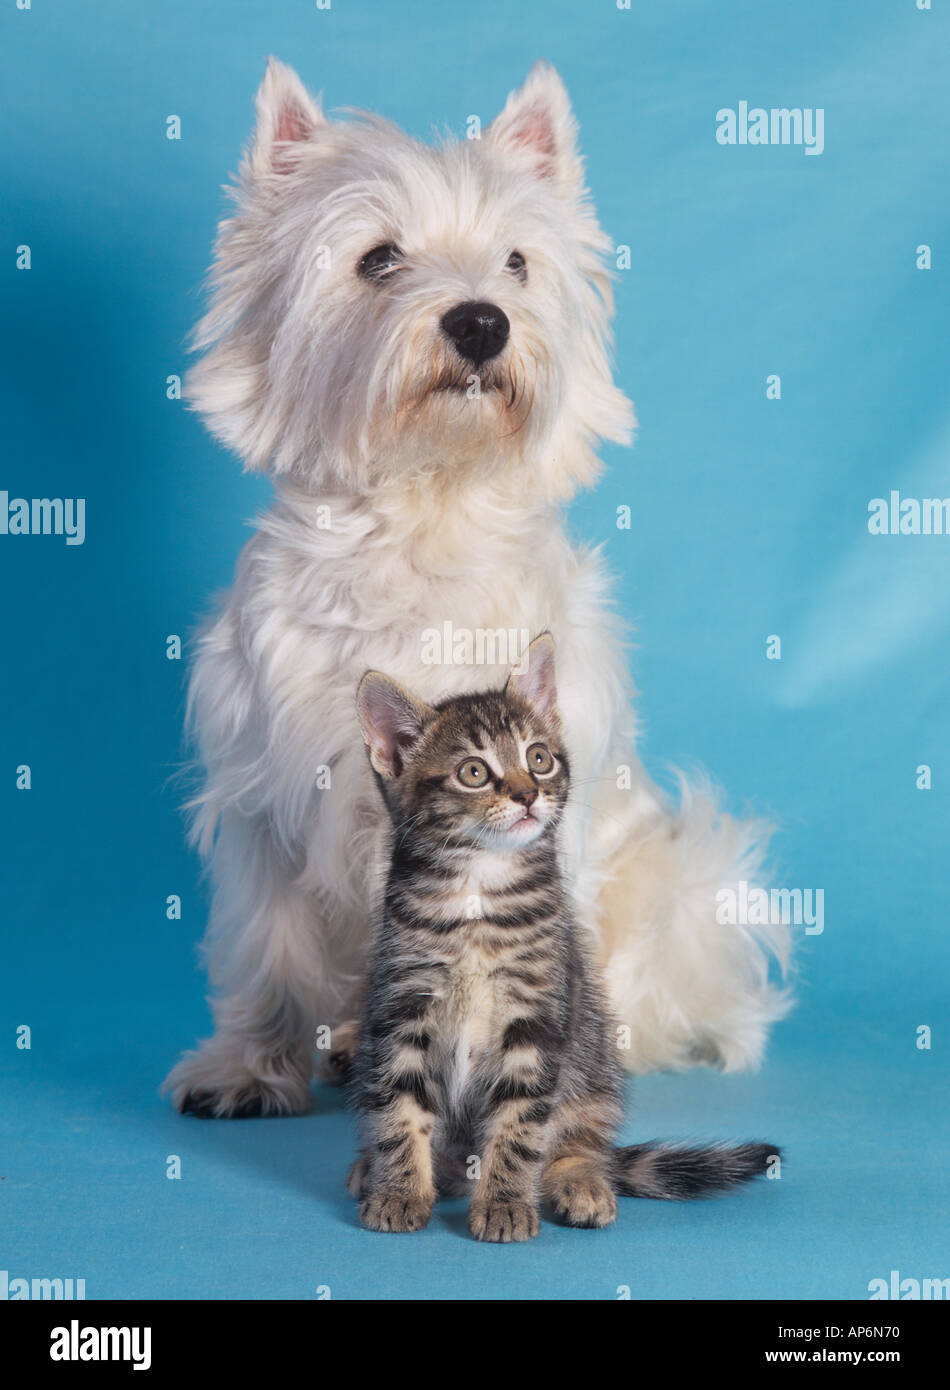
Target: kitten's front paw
[587,1201]
[503,1221]
[391,1211]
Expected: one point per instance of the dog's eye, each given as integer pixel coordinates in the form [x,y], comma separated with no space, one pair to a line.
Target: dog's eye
[516,264]
[380,262]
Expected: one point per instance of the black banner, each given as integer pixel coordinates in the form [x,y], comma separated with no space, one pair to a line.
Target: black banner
[156,1338]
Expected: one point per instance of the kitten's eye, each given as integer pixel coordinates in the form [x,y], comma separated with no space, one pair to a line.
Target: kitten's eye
[380,262]
[472,773]
[539,759]
[516,264]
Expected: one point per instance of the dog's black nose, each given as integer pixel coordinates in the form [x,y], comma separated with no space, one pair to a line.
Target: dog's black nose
[478,330]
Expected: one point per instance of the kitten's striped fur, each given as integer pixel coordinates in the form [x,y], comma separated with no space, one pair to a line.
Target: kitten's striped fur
[486,1051]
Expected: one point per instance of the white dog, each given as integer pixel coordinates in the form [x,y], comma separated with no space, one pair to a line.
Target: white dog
[414,341]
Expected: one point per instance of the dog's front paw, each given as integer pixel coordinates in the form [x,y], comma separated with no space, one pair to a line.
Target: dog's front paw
[213,1083]
[503,1221]
[338,1065]
[358,1177]
[245,1102]
[211,1105]
[393,1211]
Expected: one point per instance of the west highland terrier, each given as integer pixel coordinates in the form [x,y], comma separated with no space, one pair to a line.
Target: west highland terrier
[414,341]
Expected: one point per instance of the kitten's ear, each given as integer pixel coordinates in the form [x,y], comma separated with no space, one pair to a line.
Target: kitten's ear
[391,721]
[533,678]
[286,115]
[538,128]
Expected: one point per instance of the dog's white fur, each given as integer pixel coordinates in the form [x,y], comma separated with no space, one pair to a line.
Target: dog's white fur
[442,504]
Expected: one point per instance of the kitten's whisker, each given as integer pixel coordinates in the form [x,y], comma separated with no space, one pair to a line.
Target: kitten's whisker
[596,810]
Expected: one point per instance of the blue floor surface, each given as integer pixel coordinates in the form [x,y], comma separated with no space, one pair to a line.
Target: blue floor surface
[260,1209]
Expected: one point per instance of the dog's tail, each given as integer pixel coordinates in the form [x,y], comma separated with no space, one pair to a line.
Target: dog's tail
[678,1173]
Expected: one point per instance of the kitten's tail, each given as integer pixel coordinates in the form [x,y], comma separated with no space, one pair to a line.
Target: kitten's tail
[677,1173]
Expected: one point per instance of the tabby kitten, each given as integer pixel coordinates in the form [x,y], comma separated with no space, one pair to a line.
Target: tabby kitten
[485,1049]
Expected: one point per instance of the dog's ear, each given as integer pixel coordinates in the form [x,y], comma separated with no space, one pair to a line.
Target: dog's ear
[391,721]
[286,115]
[533,678]
[538,127]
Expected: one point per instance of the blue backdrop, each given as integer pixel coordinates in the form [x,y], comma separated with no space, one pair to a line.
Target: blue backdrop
[749,520]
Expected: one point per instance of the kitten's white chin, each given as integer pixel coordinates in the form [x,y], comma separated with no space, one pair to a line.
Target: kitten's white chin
[522,832]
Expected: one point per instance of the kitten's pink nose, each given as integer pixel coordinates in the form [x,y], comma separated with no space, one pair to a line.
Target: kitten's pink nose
[525,798]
